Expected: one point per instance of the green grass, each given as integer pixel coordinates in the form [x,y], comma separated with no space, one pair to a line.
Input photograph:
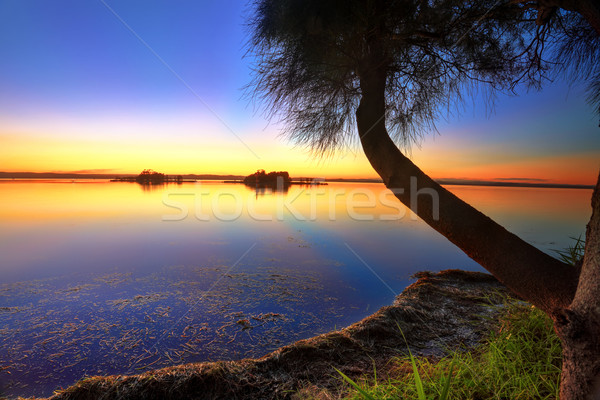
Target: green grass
[573,254]
[519,361]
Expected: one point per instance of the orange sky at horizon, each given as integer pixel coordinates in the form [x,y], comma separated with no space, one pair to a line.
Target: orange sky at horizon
[81,93]
[195,142]
[441,157]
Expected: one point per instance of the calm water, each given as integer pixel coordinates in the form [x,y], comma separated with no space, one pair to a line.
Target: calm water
[104,278]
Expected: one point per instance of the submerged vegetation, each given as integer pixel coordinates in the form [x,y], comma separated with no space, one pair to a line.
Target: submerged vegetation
[469,339]
[440,312]
[54,331]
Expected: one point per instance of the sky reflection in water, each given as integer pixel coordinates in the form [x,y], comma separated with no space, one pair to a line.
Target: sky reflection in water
[104,278]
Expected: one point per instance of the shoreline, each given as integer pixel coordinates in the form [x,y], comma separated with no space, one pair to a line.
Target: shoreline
[26,176]
[438,313]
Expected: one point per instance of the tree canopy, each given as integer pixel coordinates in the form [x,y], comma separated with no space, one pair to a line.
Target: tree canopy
[310,55]
[393,67]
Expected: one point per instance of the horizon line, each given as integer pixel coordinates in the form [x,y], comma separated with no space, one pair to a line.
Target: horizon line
[500,182]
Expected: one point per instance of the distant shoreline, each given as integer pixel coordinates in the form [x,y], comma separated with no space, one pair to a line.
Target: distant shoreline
[236,178]
[514,184]
[461,182]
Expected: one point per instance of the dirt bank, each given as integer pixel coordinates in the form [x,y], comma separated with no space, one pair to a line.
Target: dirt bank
[440,312]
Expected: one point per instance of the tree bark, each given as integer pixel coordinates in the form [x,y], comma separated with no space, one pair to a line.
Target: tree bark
[578,326]
[530,273]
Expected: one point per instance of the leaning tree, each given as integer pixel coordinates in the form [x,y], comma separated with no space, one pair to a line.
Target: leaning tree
[381,72]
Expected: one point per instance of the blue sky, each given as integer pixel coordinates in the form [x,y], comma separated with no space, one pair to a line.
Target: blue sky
[80,57]
[79,90]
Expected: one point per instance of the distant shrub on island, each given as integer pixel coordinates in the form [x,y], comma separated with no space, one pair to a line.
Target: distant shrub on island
[261,178]
[150,177]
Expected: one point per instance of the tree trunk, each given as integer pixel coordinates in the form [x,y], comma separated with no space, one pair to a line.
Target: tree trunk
[530,273]
[579,325]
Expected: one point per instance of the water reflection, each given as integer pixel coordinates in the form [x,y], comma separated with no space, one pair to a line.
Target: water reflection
[156,186]
[281,188]
[264,190]
[93,272]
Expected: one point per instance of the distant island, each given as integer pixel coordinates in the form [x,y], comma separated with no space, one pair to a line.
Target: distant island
[262,179]
[151,177]
[275,179]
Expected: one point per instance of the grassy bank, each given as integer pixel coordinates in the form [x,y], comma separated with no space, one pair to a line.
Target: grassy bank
[519,360]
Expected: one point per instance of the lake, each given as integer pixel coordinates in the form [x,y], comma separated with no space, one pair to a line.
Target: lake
[101,277]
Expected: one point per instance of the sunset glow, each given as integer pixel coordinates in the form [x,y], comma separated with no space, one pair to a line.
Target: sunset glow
[115,88]
[167,230]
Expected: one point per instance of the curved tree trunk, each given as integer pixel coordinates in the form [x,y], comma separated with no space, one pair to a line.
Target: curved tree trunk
[533,275]
[579,325]
[530,273]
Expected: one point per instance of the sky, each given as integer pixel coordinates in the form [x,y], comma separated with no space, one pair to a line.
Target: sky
[106,86]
